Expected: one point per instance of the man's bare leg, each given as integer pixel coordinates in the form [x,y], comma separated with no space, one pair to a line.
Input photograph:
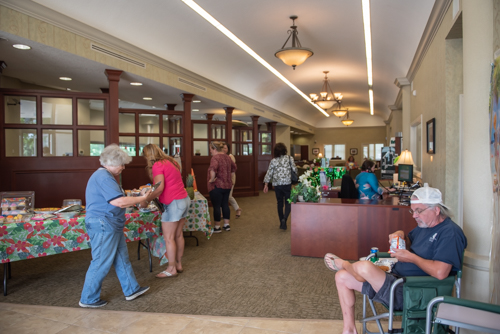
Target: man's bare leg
[350,278]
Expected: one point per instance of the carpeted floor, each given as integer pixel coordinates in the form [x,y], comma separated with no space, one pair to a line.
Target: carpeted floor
[247,272]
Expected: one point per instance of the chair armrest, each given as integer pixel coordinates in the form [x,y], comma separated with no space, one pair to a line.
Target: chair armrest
[428,281]
[472,304]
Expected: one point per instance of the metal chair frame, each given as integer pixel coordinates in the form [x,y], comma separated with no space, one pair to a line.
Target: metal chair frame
[391,313]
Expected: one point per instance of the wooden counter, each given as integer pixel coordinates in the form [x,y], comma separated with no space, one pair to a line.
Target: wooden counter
[346,227]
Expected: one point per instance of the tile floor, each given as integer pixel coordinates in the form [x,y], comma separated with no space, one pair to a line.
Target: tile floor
[20,319]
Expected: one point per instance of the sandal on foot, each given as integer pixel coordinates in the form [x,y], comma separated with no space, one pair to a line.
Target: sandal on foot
[238,215]
[330,261]
[167,274]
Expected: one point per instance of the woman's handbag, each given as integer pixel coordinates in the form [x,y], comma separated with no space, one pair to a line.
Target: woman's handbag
[295,178]
[159,205]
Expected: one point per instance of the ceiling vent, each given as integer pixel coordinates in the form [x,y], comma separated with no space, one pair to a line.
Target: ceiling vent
[258,109]
[192,84]
[117,55]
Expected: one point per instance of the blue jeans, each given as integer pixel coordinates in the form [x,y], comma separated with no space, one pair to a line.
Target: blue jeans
[108,248]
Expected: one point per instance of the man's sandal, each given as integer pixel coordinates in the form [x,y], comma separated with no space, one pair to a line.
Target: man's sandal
[330,262]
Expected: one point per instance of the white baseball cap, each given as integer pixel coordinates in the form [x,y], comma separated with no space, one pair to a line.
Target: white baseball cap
[427,195]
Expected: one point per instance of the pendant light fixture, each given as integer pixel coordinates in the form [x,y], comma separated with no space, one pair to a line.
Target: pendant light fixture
[296,54]
[347,121]
[326,98]
[339,111]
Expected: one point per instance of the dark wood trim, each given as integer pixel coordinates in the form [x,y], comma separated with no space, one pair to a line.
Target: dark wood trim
[255,144]
[114,95]
[187,133]
[229,126]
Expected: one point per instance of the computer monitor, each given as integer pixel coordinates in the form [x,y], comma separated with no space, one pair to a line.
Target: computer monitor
[405,173]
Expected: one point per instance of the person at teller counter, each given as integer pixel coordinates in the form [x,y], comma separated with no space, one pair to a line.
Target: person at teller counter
[351,164]
[175,200]
[105,220]
[437,248]
[367,182]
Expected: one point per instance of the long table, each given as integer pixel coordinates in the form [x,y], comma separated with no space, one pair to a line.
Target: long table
[34,239]
[347,228]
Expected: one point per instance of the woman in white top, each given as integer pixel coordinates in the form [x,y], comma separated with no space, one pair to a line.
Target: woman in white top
[279,174]
[232,201]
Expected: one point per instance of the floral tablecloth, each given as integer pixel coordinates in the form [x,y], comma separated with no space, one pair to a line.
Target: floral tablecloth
[21,241]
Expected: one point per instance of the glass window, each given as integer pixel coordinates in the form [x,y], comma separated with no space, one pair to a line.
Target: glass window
[56,110]
[175,146]
[378,151]
[339,151]
[20,109]
[328,151]
[172,124]
[127,143]
[365,151]
[246,135]
[57,143]
[143,141]
[149,123]
[20,142]
[200,131]
[233,150]
[90,142]
[218,131]
[201,148]
[126,122]
[90,112]
[265,137]
[265,149]
[246,149]
[235,138]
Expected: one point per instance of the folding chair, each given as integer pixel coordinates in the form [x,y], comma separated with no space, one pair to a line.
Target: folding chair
[417,292]
[463,313]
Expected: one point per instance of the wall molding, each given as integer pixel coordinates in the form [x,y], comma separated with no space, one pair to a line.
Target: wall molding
[59,20]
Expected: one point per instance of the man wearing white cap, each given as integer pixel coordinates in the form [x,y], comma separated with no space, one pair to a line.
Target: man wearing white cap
[437,247]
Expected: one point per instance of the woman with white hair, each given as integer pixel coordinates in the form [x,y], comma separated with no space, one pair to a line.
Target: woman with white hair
[105,220]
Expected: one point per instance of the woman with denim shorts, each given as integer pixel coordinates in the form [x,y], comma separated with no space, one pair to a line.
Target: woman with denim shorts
[175,200]
[104,221]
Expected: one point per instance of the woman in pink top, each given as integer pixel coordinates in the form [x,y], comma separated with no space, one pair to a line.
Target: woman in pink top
[175,200]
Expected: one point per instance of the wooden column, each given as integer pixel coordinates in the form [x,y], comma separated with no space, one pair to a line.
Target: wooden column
[271,126]
[187,136]
[113,80]
[229,127]
[255,145]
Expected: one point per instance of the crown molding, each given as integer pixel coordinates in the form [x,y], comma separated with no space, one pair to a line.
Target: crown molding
[433,24]
[59,20]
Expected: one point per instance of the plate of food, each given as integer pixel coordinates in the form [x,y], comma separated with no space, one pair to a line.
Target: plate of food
[46,210]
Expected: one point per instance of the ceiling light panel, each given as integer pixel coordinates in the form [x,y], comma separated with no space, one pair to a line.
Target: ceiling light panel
[368,47]
[194,6]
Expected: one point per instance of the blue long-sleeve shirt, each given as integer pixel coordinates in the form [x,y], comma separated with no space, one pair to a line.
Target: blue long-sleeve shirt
[368,186]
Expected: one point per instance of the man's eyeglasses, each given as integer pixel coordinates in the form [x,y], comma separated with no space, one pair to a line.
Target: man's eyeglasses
[418,211]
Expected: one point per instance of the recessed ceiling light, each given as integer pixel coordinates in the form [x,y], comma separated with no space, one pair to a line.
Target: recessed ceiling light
[195,109]
[147,98]
[68,88]
[22,46]
[154,107]
[196,101]
[136,83]
[65,78]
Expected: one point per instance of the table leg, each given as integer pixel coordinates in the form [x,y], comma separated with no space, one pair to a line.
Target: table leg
[192,236]
[6,268]
[139,250]
[149,255]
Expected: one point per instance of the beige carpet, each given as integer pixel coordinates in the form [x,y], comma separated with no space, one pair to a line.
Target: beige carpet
[247,272]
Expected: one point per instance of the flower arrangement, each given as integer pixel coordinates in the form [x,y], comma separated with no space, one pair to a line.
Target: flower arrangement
[308,188]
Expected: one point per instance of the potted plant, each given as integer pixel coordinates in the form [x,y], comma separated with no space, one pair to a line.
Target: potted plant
[307,190]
